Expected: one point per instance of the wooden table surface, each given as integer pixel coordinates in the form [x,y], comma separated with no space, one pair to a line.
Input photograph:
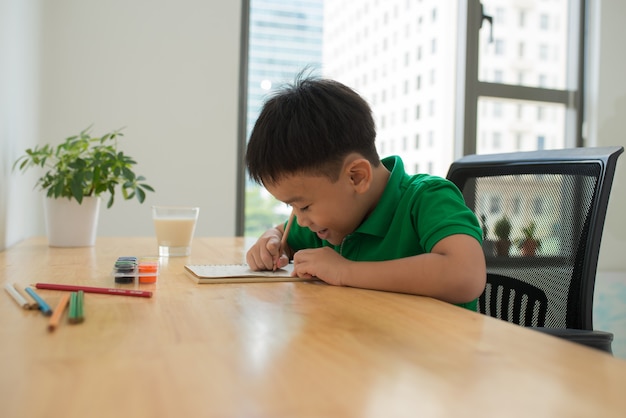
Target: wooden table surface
[275,349]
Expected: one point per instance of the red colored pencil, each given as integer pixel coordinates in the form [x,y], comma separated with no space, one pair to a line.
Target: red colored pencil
[89,289]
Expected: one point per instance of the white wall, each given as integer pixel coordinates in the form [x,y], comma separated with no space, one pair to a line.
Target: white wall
[19,69]
[168,71]
[606,116]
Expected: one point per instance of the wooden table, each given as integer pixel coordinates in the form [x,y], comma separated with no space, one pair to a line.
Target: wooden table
[275,349]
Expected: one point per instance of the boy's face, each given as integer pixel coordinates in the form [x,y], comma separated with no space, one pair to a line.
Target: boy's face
[331,210]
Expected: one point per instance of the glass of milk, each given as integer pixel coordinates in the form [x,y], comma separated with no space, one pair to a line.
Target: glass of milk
[174,226]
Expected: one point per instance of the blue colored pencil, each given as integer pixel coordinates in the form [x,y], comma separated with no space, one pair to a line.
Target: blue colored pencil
[43,306]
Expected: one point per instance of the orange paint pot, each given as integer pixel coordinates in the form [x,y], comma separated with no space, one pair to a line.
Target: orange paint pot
[148,270]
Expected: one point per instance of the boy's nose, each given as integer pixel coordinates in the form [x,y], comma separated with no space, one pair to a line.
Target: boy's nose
[303,221]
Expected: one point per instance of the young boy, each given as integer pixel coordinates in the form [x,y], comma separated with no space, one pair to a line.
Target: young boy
[359,221]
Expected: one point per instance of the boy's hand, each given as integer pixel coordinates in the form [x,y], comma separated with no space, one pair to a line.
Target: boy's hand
[266,253]
[324,263]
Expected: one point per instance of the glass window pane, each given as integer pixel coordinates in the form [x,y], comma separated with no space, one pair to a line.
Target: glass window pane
[284,39]
[400,56]
[529,46]
[515,125]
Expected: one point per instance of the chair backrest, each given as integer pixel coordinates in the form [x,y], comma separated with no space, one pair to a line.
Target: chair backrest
[558,197]
[514,300]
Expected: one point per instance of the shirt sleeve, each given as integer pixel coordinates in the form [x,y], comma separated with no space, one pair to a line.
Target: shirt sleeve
[440,211]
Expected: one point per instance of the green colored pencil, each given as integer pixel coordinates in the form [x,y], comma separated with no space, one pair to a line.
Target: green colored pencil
[76,307]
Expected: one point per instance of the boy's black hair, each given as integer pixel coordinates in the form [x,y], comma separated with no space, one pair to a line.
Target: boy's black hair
[310,127]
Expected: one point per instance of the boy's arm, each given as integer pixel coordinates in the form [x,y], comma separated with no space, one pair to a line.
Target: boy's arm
[454,271]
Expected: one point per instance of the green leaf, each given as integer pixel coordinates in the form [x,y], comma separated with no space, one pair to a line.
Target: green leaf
[58,189]
[128,174]
[77,188]
[141,195]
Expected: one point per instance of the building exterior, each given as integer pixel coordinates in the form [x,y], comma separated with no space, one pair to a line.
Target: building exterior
[401,56]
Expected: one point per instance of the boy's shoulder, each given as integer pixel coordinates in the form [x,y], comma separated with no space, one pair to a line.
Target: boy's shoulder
[401,183]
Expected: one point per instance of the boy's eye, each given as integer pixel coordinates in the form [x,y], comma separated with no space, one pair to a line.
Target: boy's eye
[302,209]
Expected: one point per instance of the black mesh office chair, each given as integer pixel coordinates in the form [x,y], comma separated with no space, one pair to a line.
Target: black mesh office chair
[558,200]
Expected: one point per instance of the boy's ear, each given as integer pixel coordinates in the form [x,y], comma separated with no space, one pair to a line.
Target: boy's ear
[359,172]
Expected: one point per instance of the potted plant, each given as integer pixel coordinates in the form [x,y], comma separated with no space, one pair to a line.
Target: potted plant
[529,243]
[78,171]
[502,229]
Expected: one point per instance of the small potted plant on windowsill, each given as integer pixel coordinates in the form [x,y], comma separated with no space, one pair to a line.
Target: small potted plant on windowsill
[79,171]
[529,243]
[502,229]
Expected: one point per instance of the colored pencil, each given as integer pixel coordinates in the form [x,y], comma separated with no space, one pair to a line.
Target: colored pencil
[89,289]
[17,296]
[58,311]
[283,240]
[76,307]
[32,304]
[43,306]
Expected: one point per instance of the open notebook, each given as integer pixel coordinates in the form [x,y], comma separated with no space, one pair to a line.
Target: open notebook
[237,273]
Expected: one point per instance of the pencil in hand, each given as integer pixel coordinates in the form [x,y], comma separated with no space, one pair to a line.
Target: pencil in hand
[283,240]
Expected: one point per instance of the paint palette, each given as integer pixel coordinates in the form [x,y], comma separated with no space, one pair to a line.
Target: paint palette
[131,269]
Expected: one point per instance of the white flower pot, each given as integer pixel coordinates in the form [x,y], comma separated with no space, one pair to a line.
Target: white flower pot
[69,224]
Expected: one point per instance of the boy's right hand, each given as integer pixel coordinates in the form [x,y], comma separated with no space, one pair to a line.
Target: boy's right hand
[266,253]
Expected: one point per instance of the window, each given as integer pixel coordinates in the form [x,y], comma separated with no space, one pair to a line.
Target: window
[516,205]
[541,142]
[544,21]
[499,47]
[554,85]
[497,110]
[495,205]
[521,80]
[537,205]
[543,52]
[497,141]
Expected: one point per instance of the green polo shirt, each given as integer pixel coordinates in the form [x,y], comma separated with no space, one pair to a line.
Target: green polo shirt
[413,214]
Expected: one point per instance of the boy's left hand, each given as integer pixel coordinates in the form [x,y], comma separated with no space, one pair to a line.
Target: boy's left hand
[324,263]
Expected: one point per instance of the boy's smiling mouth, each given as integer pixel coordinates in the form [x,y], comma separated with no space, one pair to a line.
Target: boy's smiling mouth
[322,233]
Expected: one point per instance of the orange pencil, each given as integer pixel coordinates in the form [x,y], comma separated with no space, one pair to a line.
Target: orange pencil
[58,311]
